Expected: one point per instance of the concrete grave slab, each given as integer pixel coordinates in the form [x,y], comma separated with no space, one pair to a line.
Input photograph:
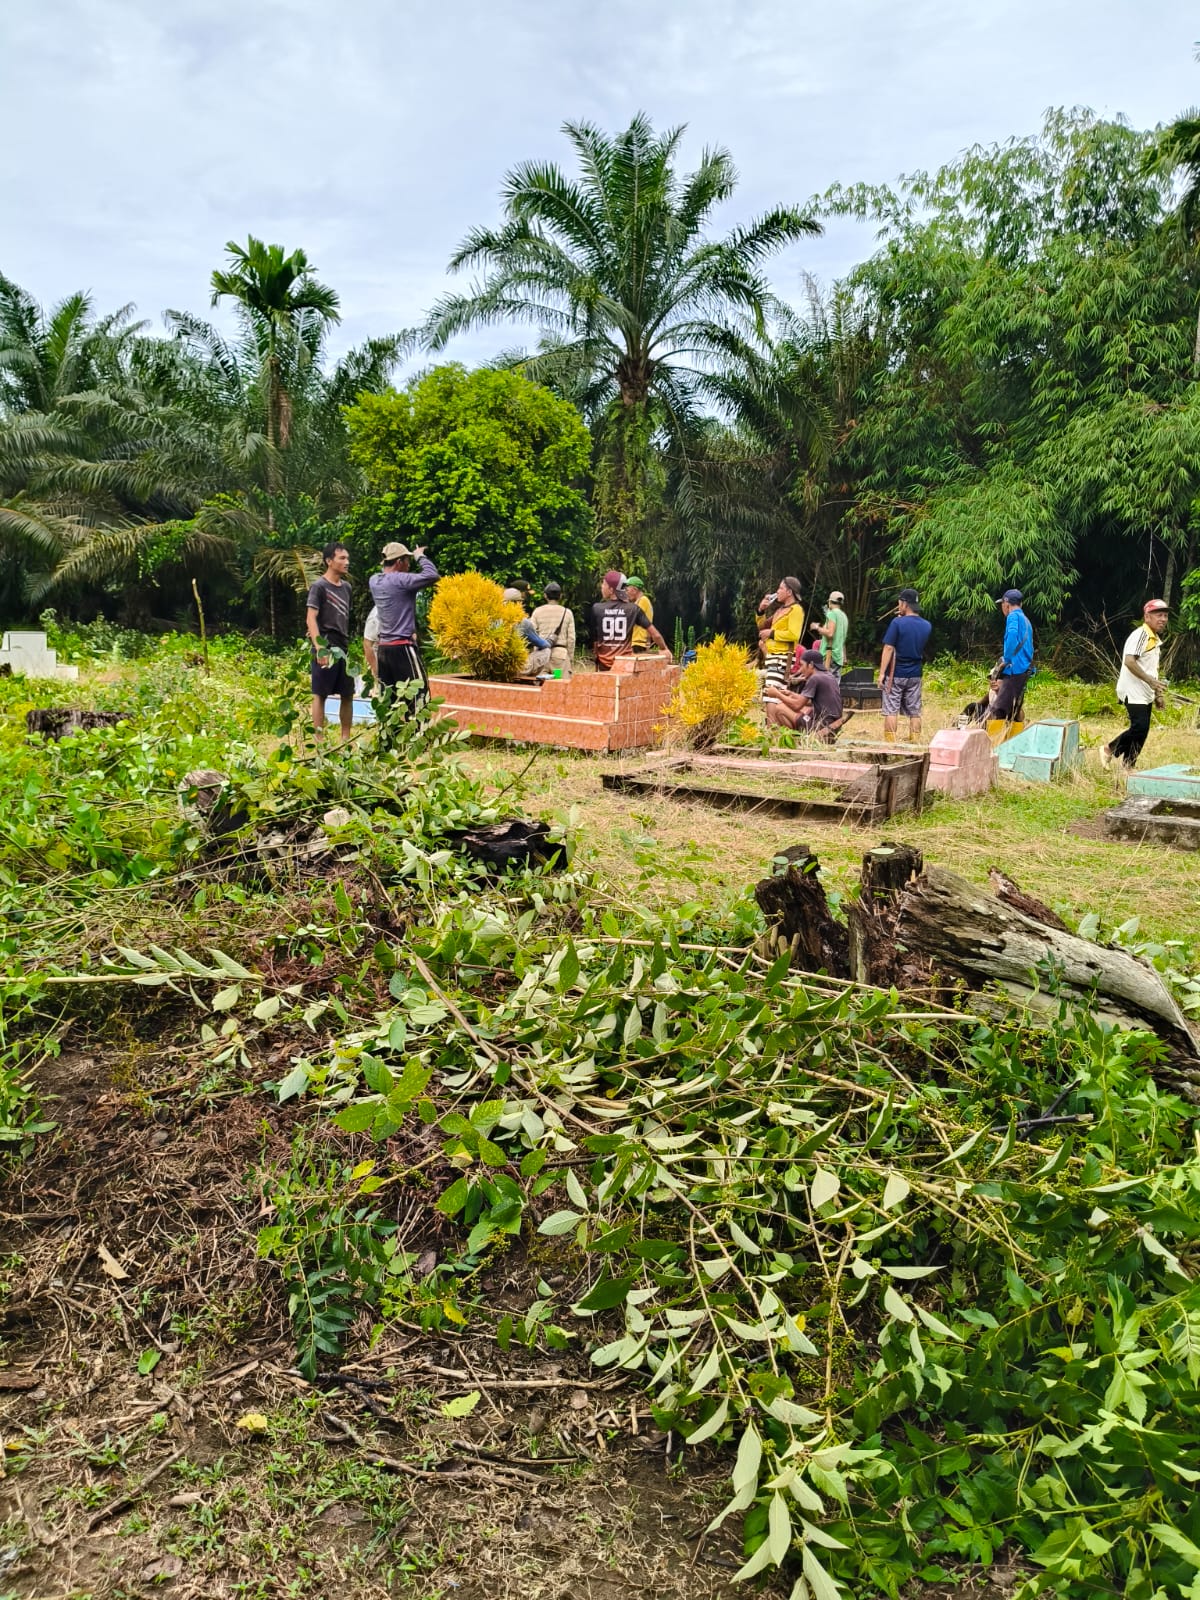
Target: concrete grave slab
[29,656]
[1159,821]
[1045,750]
[1177,782]
[961,762]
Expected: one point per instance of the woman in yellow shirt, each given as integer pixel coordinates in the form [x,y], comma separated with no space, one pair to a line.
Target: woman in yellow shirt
[785,630]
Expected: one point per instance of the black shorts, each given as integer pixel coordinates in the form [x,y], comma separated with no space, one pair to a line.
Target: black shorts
[332,680]
[400,663]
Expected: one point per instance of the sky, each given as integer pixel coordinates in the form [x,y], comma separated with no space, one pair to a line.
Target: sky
[375,133]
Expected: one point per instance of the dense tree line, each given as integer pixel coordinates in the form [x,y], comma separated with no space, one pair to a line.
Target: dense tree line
[1004,392]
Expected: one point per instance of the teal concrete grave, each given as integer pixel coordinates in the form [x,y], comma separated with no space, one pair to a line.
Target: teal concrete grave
[1045,750]
[1178,782]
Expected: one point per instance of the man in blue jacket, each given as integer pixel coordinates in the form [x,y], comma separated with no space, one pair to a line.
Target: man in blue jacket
[1016,663]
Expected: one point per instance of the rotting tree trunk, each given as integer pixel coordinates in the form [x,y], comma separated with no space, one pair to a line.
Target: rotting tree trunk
[917,929]
[965,932]
[886,873]
[794,904]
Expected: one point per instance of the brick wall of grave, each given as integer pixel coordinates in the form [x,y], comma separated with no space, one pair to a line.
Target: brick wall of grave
[618,710]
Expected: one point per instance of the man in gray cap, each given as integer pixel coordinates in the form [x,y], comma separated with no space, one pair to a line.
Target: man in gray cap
[1016,662]
[394,591]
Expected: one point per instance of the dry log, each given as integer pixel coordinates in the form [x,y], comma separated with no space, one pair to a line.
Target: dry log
[794,904]
[967,933]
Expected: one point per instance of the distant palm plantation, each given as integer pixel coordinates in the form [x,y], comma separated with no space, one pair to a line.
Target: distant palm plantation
[1003,393]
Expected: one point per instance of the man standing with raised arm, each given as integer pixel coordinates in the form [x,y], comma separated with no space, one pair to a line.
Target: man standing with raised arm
[394,591]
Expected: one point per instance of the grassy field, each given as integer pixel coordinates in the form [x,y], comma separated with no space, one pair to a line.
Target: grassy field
[1049,838]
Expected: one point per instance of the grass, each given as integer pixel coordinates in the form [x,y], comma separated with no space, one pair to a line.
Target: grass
[1046,837]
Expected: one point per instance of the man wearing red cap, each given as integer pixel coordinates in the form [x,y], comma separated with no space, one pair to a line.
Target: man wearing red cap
[613,624]
[1139,687]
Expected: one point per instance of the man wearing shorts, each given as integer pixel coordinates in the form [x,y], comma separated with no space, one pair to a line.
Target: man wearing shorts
[901,664]
[328,626]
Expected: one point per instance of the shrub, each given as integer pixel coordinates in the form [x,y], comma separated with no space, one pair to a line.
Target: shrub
[713,692]
[476,626]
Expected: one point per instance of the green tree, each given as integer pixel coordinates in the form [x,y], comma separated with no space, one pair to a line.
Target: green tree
[631,292]
[1033,317]
[483,466]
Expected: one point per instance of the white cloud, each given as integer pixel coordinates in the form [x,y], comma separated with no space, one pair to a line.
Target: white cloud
[375,133]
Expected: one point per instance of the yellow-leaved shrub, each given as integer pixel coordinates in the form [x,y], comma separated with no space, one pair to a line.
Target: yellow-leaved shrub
[713,692]
[477,627]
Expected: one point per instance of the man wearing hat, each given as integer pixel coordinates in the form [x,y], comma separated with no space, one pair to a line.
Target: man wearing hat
[555,622]
[537,649]
[394,591]
[613,622]
[901,664]
[1016,662]
[815,707]
[831,634]
[635,590]
[1139,687]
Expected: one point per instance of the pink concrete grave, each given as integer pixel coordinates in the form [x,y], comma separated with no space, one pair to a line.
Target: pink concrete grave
[961,762]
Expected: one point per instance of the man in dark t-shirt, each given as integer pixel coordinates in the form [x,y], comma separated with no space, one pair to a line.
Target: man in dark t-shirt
[328,626]
[613,622]
[815,707]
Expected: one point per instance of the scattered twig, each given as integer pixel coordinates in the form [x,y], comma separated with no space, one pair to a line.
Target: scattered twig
[120,1503]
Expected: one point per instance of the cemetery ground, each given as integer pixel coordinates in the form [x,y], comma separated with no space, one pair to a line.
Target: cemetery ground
[288,1306]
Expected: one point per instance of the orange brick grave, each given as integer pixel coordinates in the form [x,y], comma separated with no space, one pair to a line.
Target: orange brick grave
[617,710]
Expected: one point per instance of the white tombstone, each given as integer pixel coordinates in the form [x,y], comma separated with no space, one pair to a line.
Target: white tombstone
[29,656]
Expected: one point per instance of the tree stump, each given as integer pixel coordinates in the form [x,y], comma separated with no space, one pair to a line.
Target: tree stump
[797,912]
[887,871]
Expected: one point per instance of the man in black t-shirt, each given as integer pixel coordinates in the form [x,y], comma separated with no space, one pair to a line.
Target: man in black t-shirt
[613,622]
[328,626]
[815,708]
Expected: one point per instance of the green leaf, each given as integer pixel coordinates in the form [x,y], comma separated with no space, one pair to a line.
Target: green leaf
[462,1405]
[823,1189]
[341,901]
[895,1190]
[819,1582]
[895,1306]
[226,999]
[357,1118]
[453,1199]
[532,1163]
[568,968]
[605,1294]
[296,1081]
[1165,1532]
[559,1222]
[779,1529]
[749,1459]
[147,1362]
[713,1425]
[266,1009]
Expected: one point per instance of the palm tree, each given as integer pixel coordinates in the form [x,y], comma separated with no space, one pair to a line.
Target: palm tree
[632,295]
[283,300]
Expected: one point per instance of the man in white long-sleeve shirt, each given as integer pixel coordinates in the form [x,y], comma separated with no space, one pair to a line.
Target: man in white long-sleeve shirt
[394,591]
